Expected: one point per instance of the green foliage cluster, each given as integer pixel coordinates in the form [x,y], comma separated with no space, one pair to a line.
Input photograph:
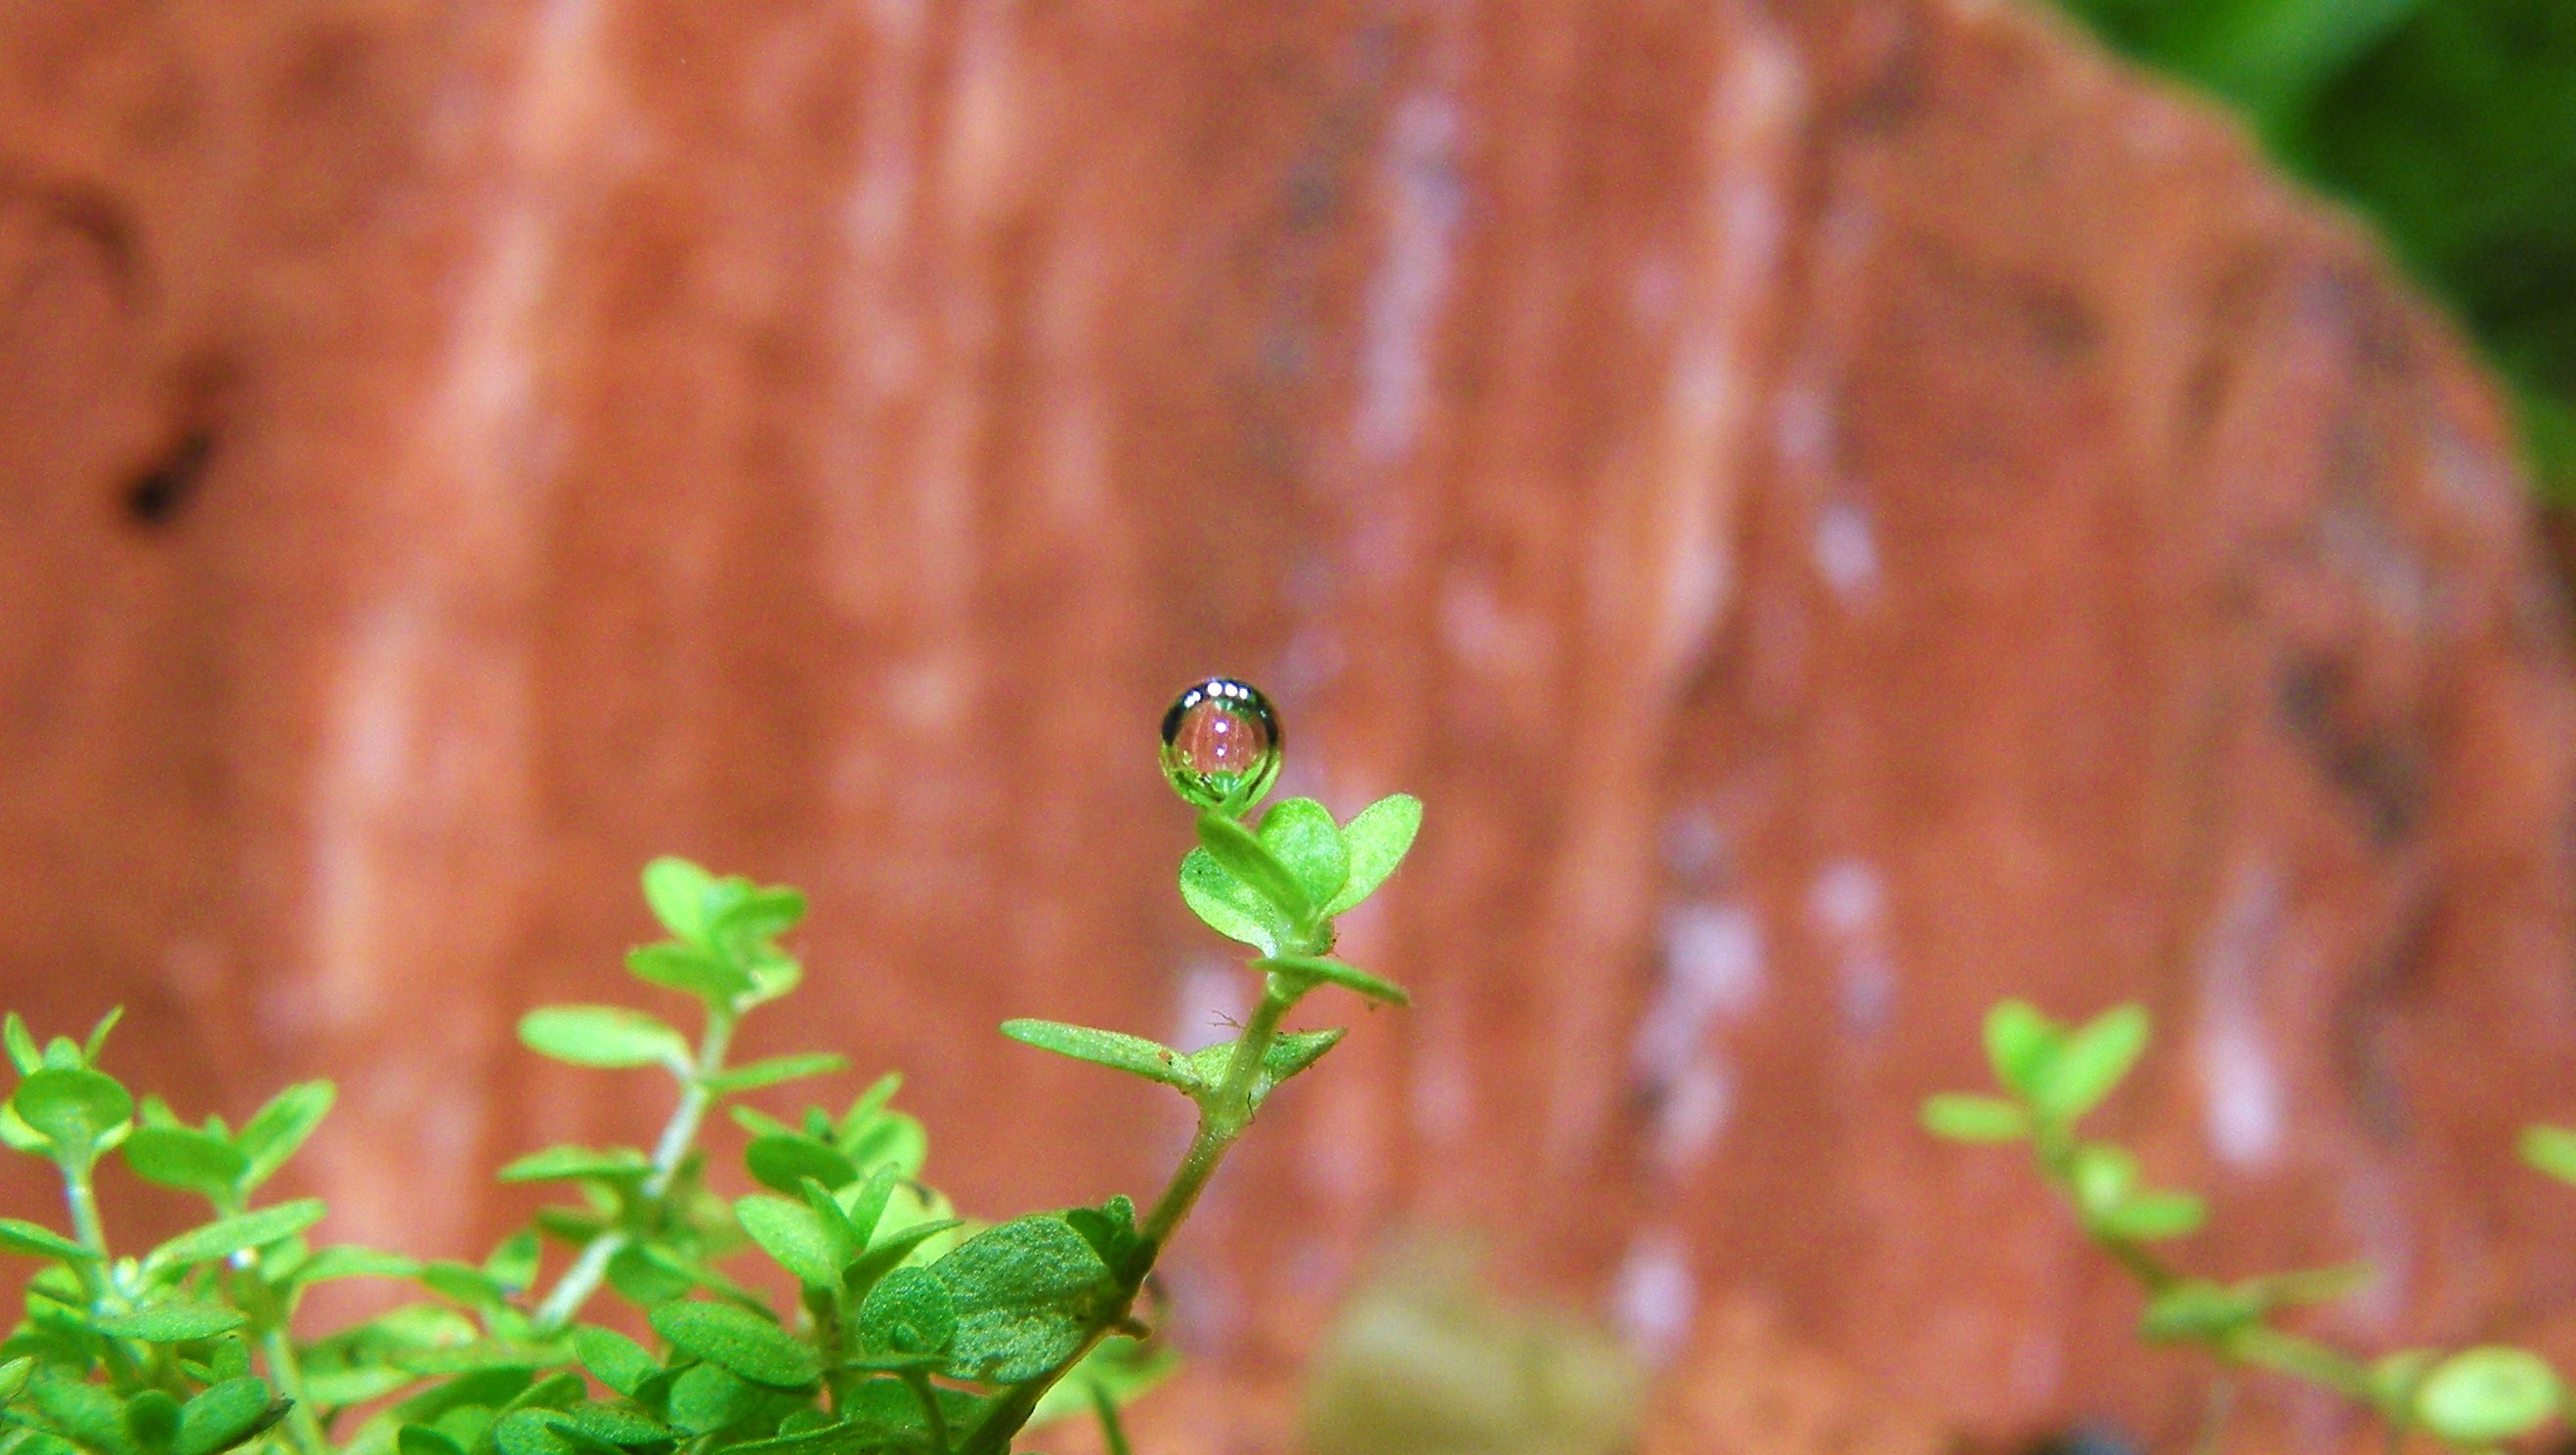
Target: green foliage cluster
[2451,123]
[2050,1075]
[910,1330]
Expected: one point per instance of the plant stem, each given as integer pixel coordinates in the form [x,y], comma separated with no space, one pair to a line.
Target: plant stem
[303,1426]
[1223,1114]
[581,1280]
[1222,1119]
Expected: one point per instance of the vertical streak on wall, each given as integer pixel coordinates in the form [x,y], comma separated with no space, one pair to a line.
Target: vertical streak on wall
[425,746]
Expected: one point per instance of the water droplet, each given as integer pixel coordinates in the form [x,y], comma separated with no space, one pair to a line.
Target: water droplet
[1221,744]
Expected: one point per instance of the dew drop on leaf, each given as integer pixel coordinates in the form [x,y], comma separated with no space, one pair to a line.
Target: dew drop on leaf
[1221,744]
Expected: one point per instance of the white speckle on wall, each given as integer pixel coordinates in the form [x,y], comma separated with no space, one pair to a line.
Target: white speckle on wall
[2242,1098]
[1694,1110]
[1846,548]
[1424,201]
[2244,1107]
[1712,970]
[1654,1297]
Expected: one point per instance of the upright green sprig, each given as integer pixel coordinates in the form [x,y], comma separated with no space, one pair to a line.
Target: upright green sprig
[155,1355]
[2052,1075]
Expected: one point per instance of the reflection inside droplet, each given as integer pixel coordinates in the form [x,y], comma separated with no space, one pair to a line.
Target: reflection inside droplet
[1221,744]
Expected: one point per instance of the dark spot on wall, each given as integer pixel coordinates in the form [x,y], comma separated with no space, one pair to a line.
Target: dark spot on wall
[154,497]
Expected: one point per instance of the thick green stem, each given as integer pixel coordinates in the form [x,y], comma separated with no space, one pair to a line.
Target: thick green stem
[303,1422]
[1222,1118]
[582,1279]
[1223,1115]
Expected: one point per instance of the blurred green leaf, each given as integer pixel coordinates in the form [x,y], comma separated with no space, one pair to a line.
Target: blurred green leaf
[2089,1064]
[72,1107]
[2020,1044]
[176,1322]
[608,1037]
[227,1236]
[277,1130]
[1962,1117]
[185,1158]
[2483,1395]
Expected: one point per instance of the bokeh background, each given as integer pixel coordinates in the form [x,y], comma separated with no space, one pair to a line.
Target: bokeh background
[1844,509]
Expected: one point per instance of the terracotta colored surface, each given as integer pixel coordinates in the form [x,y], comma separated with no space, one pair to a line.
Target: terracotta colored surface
[1844,510]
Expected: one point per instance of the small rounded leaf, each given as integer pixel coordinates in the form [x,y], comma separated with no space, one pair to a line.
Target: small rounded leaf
[2483,1395]
[73,1106]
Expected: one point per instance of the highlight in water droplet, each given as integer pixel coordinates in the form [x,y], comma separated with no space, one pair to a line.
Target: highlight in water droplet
[1221,745]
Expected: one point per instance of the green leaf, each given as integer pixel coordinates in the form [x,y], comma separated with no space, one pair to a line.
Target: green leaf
[177,1322]
[1027,1293]
[1229,906]
[424,1440]
[2197,1312]
[775,1070]
[782,1163]
[908,1312]
[276,1130]
[2484,1395]
[565,1164]
[2551,1150]
[1248,859]
[757,917]
[13,1377]
[1116,1050]
[613,1425]
[227,1236]
[2154,1216]
[1377,840]
[533,1431]
[1300,834]
[608,1037]
[81,1410]
[739,1340]
[151,1419]
[2090,1064]
[513,1265]
[706,1398]
[678,892]
[224,1415]
[1965,1118]
[34,1240]
[2020,1042]
[1304,971]
[98,1034]
[72,1107]
[687,968]
[184,1158]
[24,1053]
[2103,1176]
[1289,1053]
[789,1232]
[614,1359]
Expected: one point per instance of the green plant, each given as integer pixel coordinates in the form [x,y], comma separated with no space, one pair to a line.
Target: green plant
[2051,1075]
[909,1330]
